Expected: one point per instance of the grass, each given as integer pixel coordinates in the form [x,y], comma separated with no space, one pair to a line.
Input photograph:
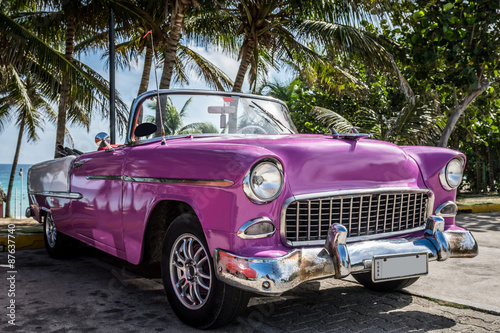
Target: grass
[478,200]
[448,304]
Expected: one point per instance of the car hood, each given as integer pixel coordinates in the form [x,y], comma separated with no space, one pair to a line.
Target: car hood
[320,163]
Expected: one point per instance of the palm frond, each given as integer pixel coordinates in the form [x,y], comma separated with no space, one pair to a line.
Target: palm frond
[333,119]
[202,67]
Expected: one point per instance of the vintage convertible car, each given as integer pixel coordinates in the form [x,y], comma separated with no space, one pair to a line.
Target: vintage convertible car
[221,189]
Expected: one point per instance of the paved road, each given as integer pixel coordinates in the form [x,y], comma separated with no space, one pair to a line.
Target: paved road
[95,293]
[474,282]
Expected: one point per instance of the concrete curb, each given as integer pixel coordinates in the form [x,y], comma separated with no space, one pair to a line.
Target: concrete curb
[487,208]
[22,241]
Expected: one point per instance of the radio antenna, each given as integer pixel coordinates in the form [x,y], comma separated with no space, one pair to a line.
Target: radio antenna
[162,126]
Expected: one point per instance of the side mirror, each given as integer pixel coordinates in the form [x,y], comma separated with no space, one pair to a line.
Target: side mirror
[102,140]
[145,129]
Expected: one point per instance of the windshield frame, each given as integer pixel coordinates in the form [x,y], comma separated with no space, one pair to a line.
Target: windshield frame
[153,93]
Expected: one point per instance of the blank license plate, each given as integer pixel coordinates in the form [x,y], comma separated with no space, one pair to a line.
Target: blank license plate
[393,267]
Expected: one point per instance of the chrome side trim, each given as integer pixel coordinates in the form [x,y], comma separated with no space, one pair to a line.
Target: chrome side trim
[202,182]
[65,195]
[244,227]
[347,194]
[104,177]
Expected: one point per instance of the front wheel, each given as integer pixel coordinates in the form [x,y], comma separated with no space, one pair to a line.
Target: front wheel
[195,294]
[366,280]
[58,245]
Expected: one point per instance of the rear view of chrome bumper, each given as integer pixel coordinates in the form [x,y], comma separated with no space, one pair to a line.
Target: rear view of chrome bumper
[274,276]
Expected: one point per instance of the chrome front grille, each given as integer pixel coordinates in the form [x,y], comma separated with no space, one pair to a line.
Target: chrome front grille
[365,215]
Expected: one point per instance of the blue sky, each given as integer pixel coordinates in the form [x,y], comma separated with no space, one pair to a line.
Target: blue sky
[127,84]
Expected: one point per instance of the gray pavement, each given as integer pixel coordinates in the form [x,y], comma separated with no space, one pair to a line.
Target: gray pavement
[474,282]
[97,293]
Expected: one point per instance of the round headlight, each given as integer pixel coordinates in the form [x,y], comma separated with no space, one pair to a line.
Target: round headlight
[264,182]
[451,175]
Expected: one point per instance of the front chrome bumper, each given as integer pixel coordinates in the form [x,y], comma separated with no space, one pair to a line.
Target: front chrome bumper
[274,276]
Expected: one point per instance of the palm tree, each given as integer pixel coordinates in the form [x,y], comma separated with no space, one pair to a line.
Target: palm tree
[61,24]
[276,30]
[22,101]
[415,124]
[173,120]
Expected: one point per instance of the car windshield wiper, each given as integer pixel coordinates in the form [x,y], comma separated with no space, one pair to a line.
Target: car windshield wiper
[273,118]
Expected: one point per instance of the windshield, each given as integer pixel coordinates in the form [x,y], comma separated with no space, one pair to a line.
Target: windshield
[211,114]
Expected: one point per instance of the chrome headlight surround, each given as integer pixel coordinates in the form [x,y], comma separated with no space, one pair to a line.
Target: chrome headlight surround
[451,175]
[263,183]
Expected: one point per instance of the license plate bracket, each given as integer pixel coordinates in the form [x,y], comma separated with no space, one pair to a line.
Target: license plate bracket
[399,266]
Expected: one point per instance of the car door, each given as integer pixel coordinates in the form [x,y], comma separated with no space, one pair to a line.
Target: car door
[97,216]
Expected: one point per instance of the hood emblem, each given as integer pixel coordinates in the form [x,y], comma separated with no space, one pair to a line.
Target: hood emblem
[352,135]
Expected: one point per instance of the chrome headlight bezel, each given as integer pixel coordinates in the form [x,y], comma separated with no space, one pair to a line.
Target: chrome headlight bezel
[249,181]
[448,176]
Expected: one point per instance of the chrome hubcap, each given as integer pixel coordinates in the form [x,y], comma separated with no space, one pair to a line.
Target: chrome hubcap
[50,231]
[190,271]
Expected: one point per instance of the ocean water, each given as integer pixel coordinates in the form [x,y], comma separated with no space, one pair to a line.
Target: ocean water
[4,184]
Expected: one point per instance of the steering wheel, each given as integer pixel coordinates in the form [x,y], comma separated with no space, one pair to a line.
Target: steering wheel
[251,127]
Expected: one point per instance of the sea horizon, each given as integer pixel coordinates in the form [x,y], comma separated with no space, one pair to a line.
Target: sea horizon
[16,209]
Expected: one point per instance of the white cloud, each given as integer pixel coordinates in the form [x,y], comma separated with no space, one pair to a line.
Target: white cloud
[127,85]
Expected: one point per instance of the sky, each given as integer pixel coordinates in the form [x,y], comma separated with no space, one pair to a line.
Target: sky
[127,85]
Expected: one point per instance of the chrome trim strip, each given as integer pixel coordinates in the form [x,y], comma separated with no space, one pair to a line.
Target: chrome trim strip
[348,194]
[244,227]
[202,182]
[360,238]
[442,206]
[66,195]
[104,177]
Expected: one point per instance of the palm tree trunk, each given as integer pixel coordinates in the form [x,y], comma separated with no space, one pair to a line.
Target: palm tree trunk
[246,57]
[175,35]
[63,99]
[14,167]
[458,110]
[146,71]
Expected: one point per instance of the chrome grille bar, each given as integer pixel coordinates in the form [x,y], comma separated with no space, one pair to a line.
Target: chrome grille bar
[366,215]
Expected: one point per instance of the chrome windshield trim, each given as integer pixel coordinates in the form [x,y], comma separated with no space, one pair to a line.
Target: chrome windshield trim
[65,195]
[139,99]
[104,177]
[348,194]
[202,182]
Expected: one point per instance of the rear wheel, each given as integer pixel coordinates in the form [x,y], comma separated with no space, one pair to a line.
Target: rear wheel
[366,280]
[195,294]
[57,245]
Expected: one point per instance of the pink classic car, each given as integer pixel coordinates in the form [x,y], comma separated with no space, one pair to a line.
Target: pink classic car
[221,189]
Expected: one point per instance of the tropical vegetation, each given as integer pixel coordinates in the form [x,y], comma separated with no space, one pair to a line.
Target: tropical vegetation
[411,72]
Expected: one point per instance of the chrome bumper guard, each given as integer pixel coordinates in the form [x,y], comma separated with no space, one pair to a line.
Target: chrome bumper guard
[274,276]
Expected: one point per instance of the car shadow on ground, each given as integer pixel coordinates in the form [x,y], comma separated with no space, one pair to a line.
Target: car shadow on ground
[346,308]
[319,306]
